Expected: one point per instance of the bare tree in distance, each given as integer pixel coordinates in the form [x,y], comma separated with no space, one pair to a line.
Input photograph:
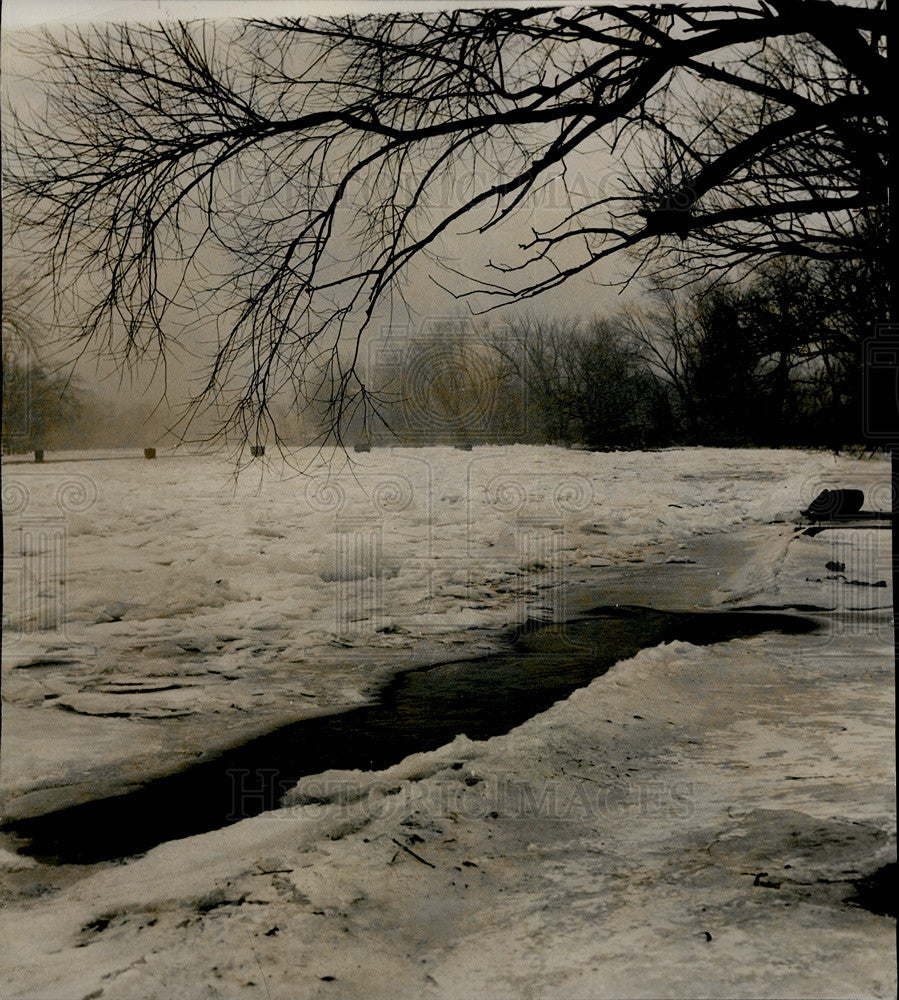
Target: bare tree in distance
[775,358]
[586,381]
[284,175]
[445,384]
[40,404]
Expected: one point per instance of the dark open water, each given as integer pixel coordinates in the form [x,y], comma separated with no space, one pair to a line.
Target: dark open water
[419,710]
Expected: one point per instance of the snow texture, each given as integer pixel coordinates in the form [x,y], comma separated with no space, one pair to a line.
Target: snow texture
[687,825]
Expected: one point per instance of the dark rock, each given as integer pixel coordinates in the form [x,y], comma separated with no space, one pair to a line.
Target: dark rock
[874,892]
[834,503]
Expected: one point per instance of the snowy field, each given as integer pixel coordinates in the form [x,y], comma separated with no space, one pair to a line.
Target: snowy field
[157,611]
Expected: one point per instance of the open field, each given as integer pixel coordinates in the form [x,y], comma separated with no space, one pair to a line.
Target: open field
[689,824]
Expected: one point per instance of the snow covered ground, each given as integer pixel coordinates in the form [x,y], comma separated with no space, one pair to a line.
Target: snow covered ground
[159,610]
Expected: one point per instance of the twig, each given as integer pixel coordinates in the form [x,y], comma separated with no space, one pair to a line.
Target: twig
[409,850]
[264,979]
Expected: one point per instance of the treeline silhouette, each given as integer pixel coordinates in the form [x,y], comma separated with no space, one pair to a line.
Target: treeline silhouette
[776,359]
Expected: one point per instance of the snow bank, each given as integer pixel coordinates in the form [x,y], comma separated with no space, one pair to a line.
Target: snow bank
[656,811]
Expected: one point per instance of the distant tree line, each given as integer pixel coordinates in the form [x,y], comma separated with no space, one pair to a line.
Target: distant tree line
[40,405]
[40,408]
[775,359]
[46,407]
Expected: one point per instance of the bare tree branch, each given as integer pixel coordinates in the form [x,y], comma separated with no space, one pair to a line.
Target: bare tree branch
[284,176]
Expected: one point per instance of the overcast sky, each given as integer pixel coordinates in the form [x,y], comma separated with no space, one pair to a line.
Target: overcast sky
[24,13]
[582,296]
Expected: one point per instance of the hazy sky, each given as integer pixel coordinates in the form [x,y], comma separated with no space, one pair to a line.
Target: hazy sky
[22,13]
[581,296]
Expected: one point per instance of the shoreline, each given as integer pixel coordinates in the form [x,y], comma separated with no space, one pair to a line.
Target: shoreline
[174,745]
